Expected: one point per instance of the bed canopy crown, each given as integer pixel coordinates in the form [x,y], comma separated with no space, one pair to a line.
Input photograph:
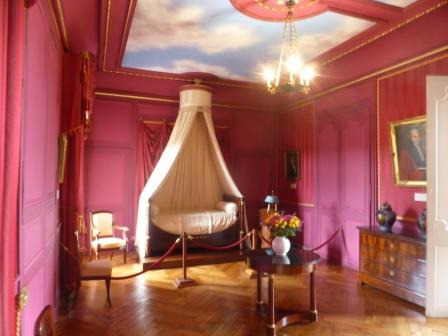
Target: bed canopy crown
[186,188]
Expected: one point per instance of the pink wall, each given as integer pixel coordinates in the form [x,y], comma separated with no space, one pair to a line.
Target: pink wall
[345,126]
[41,121]
[111,149]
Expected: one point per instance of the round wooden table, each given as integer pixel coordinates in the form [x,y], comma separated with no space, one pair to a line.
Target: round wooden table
[297,261]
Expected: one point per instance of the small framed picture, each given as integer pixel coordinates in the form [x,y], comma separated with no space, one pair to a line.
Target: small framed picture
[292,165]
[408,142]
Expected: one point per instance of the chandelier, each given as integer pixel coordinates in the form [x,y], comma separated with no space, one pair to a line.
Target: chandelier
[291,75]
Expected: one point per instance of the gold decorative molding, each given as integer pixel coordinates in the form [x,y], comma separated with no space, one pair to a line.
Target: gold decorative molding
[378,118]
[308,102]
[106,34]
[99,93]
[387,32]
[62,36]
[303,205]
[126,29]
[373,75]
[21,302]
[63,27]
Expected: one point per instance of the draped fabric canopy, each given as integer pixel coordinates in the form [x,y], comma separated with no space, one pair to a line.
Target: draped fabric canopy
[191,173]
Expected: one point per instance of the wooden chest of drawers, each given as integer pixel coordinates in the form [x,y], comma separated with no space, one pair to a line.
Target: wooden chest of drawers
[394,263]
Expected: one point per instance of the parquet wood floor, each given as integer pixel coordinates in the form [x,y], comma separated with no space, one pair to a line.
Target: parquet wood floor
[223,304]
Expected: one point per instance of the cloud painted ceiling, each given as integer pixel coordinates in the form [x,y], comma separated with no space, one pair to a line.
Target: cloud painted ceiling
[181,36]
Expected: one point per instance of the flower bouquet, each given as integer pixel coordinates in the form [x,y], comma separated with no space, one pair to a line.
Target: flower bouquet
[282,226]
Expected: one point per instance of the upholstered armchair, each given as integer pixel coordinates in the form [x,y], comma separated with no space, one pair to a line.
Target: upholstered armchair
[102,235]
[44,325]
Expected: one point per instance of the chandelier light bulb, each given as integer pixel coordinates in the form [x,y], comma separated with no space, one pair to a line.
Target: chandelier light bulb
[308,74]
[293,64]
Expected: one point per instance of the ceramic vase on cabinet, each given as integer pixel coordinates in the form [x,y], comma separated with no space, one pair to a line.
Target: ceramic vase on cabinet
[281,245]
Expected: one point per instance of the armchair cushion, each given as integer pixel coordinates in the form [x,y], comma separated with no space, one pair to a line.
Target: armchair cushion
[96,268]
[109,243]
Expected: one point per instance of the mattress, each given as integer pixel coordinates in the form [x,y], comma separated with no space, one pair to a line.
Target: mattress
[194,222]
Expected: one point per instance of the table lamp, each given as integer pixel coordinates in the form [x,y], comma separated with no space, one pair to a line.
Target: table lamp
[271,199]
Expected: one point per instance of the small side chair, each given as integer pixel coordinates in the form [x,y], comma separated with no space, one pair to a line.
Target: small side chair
[92,270]
[102,235]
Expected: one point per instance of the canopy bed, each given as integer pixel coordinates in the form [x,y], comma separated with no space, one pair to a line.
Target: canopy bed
[190,191]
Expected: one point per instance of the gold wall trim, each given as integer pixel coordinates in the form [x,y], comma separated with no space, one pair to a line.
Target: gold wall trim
[303,205]
[99,93]
[372,75]
[387,32]
[171,123]
[378,118]
[126,28]
[106,34]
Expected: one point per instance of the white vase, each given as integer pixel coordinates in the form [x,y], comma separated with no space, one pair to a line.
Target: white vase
[281,245]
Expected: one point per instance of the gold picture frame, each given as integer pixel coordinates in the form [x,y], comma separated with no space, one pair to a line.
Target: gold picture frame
[292,164]
[408,147]
[62,155]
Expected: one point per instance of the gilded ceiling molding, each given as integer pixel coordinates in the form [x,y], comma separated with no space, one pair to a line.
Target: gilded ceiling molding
[63,28]
[126,29]
[103,94]
[106,34]
[59,24]
[387,32]
[376,74]
[378,120]
[253,86]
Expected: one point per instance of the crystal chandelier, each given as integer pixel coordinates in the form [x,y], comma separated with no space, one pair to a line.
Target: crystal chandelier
[291,75]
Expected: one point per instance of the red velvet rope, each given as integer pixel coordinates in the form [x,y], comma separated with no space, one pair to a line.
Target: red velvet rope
[328,240]
[162,258]
[218,248]
[314,249]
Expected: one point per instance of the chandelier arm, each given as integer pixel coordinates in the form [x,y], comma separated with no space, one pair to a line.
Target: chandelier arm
[282,52]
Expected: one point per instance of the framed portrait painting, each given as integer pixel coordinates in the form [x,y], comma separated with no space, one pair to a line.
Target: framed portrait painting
[408,142]
[292,165]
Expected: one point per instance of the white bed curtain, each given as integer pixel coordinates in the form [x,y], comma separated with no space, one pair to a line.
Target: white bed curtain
[191,173]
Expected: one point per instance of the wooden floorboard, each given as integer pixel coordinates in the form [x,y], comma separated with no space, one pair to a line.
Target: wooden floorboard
[223,304]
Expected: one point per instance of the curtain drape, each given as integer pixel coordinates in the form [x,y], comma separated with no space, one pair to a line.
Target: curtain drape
[77,110]
[151,140]
[12,15]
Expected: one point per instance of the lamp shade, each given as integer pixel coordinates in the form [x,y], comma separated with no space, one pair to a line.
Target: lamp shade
[272,199]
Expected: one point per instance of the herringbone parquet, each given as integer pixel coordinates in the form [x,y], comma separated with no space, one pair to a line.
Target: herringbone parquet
[223,304]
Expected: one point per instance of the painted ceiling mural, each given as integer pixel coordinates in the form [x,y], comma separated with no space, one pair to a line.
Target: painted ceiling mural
[180,36]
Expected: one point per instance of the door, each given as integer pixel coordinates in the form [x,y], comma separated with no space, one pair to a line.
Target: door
[343,182]
[437,221]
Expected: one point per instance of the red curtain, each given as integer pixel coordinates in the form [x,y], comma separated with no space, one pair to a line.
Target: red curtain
[77,110]
[12,15]
[151,141]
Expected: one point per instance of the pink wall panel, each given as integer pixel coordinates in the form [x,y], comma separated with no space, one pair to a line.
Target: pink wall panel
[35,99]
[41,117]
[110,182]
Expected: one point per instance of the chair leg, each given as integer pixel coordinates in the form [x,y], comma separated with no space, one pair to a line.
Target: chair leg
[107,280]
[125,254]
[75,297]
[111,255]
[91,254]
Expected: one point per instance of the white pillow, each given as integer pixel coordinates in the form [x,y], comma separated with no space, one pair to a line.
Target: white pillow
[154,209]
[228,207]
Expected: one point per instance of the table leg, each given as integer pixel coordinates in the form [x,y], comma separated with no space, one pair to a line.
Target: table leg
[259,298]
[271,307]
[313,305]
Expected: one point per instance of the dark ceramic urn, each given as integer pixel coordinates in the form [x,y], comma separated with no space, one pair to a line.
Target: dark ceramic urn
[386,217]
[421,223]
